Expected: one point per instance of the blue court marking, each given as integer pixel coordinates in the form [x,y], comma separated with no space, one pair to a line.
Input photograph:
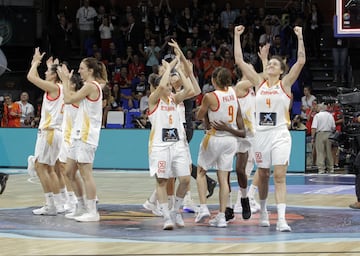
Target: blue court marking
[131,223]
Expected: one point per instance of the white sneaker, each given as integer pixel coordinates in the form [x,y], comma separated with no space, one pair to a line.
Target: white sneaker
[282,226]
[237,208]
[31,166]
[202,215]
[264,219]
[60,208]
[152,207]
[179,220]
[189,205]
[255,206]
[219,221]
[77,213]
[45,210]
[87,217]
[168,224]
[70,207]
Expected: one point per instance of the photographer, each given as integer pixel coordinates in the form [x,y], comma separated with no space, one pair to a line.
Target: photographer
[297,124]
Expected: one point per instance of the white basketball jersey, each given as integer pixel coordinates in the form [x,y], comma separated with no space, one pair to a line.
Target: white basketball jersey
[88,120]
[70,114]
[272,107]
[51,110]
[166,128]
[247,105]
[226,111]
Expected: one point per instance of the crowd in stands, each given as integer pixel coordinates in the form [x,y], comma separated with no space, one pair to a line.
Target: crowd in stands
[131,41]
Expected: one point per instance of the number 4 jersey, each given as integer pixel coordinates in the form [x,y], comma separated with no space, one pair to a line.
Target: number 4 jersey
[272,107]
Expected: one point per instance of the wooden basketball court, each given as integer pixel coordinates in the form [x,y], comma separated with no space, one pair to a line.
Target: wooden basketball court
[318,213]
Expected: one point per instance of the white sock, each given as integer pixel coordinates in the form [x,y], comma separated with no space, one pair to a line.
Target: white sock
[203,206]
[153,197]
[178,203]
[164,208]
[49,199]
[281,208]
[91,206]
[81,202]
[252,191]
[58,199]
[64,194]
[243,192]
[171,201]
[72,197]
[263,205]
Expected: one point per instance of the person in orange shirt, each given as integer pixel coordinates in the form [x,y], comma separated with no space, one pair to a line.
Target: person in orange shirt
[210,65]
[12,113]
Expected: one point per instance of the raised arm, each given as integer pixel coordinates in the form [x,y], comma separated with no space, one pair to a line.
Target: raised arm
[187,88]
[164,80]
[263,55]
[289,79]
[250,73]
[33,75]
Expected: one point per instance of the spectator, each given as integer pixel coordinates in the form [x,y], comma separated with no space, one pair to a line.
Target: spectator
[127,58]
[98,20]
[155,20]
[109,104]
[136,67]
[227,61]
[339,120]
[60,38]
[85,20]
[134,32]
[105,30]
[12,113]
[322,125]
[340,56]
[139,86]
[227,16]
[143,121]
[144,101]
[306,102]
[27,110]
[185,24]
[314,22]
[152,55]
[277,48]
[310,113]
[210,65]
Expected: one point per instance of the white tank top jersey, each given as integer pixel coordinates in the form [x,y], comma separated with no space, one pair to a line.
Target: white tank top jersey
[226,111]
[52,110]
[88,120]
[70,114]
[247,106]
[272,107]
[166,128]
